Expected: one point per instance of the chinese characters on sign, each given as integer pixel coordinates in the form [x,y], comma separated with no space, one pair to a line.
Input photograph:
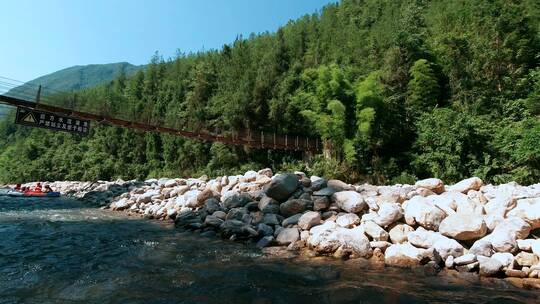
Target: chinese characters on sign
[34,118]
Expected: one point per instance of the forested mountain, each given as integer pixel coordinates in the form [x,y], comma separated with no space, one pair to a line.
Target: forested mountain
[397,89]
[76,78]
[84,76]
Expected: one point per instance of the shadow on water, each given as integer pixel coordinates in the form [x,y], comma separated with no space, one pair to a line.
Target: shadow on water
[64,252]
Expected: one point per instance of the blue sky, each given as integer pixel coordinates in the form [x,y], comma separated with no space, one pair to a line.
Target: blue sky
[41,37]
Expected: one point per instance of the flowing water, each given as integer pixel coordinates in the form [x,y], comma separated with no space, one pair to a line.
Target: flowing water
[61,251]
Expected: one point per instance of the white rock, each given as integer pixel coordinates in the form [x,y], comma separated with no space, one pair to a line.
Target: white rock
[529,210]
[473,183]
[147,197]
[465,259]
[403,255]
[398,234]
[422,211]
[489,266]
[328,237]
[499,205]
[375,231]
[463,227]
[526,259]
[449,262]
[380,244]
[350,201]
[430,239]
[190,198]
[525,245]
[266,172]
[434,184]
[171,183]
[505,258]
[348,220]
[250,176]
[388,214]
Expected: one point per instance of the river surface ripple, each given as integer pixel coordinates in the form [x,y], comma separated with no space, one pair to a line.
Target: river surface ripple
[61,251]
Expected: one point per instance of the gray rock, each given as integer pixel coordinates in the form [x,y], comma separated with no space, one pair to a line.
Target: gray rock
[277,230]
[252,206]
[339,185]
[320,203]
[271,219]
[325,192]
[237,200]
[293,206]
[318,184]
[236,214]
[288,236]
[468,268]
[282,186]
[220,214]
[211,205]
[328,214]
[265,230]
[265,241]
[291,220]
[213,221]
[232,227]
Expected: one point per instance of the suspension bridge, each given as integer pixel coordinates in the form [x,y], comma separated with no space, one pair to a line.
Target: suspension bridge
[29,96]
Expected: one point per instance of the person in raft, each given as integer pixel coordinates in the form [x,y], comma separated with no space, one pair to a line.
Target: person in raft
[18,188]
[37,188]
[47,189]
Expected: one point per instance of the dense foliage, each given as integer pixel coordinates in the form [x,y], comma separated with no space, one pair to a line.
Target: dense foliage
[397,90]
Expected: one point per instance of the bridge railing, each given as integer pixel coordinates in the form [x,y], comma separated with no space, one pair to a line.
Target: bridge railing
[65,103]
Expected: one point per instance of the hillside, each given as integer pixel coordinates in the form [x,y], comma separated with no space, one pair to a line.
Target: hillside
[397,90]
[77,77]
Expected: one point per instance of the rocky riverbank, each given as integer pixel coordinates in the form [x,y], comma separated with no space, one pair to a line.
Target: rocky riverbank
[466,227]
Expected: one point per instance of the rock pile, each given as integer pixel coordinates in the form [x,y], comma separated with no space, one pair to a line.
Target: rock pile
[468,226]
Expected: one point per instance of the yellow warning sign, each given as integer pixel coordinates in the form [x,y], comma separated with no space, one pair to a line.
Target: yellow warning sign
[29,118]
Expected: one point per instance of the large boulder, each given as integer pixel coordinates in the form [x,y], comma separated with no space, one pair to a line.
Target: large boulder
[430,239]
[388,214]
[191,200]
[529,210]
[282,186]
[287,236]
[503,238]
[403,255]
[328,237]
[293,206]
[349,201]
[500,205]
[473,183]
[463,227]
[398,234]
[374,231]
[434,184]
[309,219]
[421,210]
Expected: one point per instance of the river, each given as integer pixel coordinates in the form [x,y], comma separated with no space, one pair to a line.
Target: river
[62,251]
